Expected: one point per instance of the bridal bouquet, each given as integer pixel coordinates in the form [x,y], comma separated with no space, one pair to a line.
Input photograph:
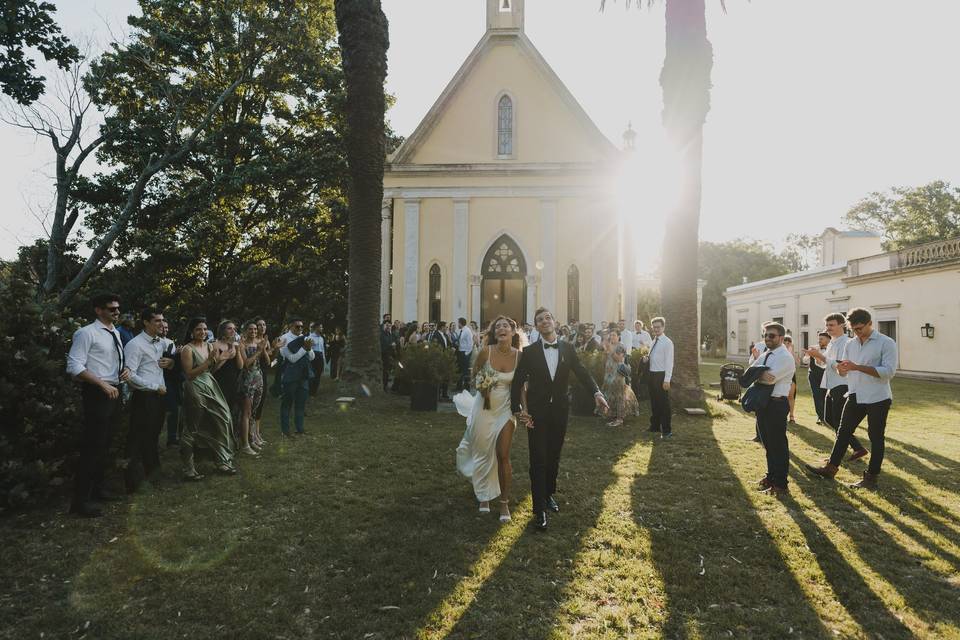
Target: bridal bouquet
[484,381]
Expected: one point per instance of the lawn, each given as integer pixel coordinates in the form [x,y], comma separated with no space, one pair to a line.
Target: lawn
[363,529]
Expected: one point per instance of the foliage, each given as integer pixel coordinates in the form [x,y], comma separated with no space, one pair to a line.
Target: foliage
[39,406]
[802,251]
[909,216]
[648,305]
[27,24]
[726,264]
[594,362]
[425,362]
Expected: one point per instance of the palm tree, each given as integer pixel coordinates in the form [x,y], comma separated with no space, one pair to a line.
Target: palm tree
[364,40]
[685,81]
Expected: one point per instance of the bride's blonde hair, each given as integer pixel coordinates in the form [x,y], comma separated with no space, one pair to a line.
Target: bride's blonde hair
[519,340]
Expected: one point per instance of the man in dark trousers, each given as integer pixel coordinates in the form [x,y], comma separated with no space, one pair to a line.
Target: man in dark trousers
[815,376]
[658,379]
[545,367]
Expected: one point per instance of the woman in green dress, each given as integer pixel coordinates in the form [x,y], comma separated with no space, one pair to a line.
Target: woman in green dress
[206,416]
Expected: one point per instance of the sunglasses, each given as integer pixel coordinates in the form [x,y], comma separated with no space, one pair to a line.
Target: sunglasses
[771,335]
[115,309]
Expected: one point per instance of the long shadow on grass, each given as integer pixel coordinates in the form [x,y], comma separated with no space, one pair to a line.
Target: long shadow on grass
[522,596]
[922,590]
[694,505]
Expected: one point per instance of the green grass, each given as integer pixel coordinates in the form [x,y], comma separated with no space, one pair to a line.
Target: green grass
[364,530]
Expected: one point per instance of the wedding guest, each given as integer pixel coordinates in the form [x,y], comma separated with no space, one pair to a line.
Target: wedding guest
[228,372]
[338,342]
[297,353]
[564,333]
[464,350]
[792,398]
[815,376]
[869,363]
[835,384]
[319,356]
[658,380]
[591,341]
[144,356]
[445,340]
[626,336]
[270,349]
[477,338]
[96,361]
[388,348]
[484,451]
[206,420]
[127,326]
[772,418]
[250,385]
[616,383]
[640,336]
[173,381]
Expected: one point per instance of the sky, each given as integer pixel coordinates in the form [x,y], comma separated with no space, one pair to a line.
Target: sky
[815,104]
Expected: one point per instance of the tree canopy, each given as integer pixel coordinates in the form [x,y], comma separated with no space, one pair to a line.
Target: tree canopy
[908,216]
[28,25]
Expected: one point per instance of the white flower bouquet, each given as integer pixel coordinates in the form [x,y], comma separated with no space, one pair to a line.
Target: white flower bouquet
[484,381]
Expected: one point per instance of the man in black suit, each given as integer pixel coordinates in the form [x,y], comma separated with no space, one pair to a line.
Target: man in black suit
[545,367]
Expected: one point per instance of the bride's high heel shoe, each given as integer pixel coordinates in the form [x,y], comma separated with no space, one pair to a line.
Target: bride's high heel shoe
[484,507]
[505,517]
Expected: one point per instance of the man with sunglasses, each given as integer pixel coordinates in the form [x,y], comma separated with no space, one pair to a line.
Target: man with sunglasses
[869,363]
[96,361]
[772,418]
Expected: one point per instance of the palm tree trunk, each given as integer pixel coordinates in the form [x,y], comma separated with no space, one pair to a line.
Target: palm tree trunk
[363,46]
[685,80]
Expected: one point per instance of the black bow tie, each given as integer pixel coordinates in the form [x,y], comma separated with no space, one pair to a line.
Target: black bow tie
[156,340]
[551,345]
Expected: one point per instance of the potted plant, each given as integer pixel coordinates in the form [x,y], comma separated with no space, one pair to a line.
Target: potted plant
[582,403]
[424,367]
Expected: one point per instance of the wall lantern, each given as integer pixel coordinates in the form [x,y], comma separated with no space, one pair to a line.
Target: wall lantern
[926,330]
[733,335]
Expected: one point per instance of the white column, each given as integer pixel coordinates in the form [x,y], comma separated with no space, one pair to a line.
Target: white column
[461,244]
[548,255]
[532,297]
[598,293]
[411,258]
[628,267]
[475,300]
[386,246]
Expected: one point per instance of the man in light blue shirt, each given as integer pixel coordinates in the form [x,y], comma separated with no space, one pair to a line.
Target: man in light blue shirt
[869,361]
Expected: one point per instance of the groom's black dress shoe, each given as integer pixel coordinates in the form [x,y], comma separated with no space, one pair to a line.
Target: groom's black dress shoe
[552,505]
[540,521]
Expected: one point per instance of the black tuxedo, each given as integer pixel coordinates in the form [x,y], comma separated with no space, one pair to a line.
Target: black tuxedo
[548,405]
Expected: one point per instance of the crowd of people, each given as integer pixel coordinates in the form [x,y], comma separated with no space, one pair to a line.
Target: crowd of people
[208,389]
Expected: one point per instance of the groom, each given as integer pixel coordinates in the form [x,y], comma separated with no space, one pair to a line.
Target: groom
[545,367]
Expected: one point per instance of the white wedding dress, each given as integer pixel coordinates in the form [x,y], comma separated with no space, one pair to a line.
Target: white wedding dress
[477,453]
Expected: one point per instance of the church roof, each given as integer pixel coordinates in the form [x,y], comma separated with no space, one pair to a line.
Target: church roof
[408,149]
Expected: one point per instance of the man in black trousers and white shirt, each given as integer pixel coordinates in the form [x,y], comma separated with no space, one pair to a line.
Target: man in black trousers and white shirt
[658,380]
[545,367]
[96,362]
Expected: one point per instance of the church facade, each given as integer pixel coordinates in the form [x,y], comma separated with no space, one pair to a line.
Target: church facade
[500,202]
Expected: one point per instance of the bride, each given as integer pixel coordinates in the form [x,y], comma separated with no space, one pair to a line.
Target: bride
[484,453]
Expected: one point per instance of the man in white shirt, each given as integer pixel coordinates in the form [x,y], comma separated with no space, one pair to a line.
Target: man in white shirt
[319,356]
[143,355]
[96,361]
[815,375]
[772,419]
[658,380]
[640,336]
[834,384]
[869,361]
[297,354]
[464,345]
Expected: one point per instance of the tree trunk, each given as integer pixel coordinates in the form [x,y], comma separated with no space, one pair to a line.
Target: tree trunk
[685,80]
[363,46]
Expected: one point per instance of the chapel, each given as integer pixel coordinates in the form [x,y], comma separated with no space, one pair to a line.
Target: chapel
[499,202]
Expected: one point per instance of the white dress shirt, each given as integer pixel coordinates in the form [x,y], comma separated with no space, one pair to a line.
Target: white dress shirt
[289,337]
[782,365]
[641,338]
[661,357]
[96,348]
[466,340]
[833,355]
[626,339]
[142,356]
[319,345]
[552,356]
[877,351]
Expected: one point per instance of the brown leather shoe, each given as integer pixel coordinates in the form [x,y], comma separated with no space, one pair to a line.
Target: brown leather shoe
[856,455]
[763,484]
[826,471]
[776,492]
[868,481]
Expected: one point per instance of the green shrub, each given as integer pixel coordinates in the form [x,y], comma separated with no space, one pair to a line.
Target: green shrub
[39,406]
[427,363]
[594,362]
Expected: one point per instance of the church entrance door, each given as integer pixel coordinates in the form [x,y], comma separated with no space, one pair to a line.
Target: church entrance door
[504,287]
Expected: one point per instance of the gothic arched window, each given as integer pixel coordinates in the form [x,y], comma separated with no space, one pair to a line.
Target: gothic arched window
[505,126]
[505,5]
[573,293]
[435,293]
[504,260]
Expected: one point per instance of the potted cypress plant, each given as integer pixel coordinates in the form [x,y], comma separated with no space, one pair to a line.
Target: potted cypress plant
[424,367]
[582,402]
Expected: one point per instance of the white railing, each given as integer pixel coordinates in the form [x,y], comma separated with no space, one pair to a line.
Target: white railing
[929,253]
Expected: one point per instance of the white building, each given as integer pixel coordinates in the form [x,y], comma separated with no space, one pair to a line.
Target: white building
[913,295]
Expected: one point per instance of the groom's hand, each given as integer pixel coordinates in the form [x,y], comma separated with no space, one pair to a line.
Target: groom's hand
[602,403]
[525,418]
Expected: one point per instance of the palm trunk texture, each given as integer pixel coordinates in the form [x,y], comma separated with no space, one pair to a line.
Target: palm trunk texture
[685,80]
[364,40]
